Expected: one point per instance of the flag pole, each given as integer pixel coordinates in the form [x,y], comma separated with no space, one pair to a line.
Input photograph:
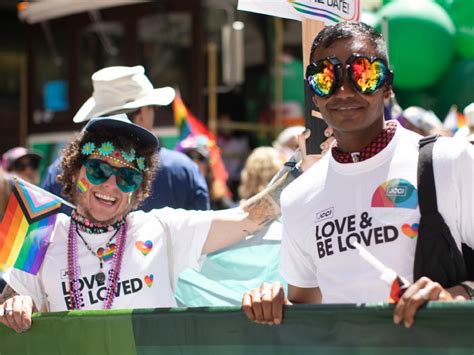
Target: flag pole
[36,188]
[313,119]
[212,87]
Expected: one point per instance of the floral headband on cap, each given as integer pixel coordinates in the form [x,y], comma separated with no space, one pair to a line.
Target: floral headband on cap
[107,149]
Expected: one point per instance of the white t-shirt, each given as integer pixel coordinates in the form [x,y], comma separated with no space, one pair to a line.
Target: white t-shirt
[146,280]
[374,202]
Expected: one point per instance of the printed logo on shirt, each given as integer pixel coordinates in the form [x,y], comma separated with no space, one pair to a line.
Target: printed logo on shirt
[411,231]
[144,247]
[63,273]
[395,193]
[148,280]
[94,291]
[338,235]
[325,214]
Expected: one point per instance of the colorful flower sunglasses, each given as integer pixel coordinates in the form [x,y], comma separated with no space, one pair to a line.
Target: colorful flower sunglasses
[367,74]
[99,171]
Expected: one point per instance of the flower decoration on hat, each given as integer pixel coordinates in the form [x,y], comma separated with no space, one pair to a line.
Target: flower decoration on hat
[141,163]
[88,148]
[106,149]
[128,156]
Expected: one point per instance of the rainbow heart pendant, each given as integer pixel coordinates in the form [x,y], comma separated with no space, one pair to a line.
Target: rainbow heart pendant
[108,254]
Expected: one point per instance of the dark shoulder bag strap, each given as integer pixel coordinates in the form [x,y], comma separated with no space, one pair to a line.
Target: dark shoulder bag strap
[426,184]
[437,255]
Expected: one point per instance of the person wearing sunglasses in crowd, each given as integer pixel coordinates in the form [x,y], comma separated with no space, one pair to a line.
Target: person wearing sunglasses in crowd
[104,256]
[363,190]
[23,163]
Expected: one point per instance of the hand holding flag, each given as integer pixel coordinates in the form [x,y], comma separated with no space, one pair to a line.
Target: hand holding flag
[398,285]
[27,224]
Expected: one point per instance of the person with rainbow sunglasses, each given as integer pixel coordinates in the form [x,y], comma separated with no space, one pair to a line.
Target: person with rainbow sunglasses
[363,190]
[104,255]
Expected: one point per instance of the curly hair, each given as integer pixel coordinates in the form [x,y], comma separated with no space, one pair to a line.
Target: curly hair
[261,165]
[73,159]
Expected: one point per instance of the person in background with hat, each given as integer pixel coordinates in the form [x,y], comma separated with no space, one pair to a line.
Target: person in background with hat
[422,121]
[178,182]
[197,149]
[23,163]
[104,256]
[287,141]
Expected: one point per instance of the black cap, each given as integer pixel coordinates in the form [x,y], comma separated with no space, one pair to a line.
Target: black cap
[120,122]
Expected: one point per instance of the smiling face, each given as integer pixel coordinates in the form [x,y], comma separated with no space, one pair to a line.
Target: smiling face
[103,203]
[356,118]
[113,201]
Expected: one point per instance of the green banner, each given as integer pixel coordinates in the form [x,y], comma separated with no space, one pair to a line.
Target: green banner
[440,328]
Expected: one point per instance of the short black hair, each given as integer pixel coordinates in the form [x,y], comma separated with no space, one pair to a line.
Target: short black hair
[342,30]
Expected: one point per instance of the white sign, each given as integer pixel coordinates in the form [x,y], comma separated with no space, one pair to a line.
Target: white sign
[327,11]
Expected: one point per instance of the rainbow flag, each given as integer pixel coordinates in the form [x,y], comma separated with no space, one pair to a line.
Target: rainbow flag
[26,227]
[461,120]
[454,120]
[190,125]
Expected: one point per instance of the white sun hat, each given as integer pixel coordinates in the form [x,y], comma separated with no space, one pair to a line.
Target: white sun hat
[423,119]
[469,114]
[121,89]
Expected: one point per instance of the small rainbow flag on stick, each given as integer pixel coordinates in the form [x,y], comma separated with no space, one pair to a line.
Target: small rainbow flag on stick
[189,125]
[454,120]
[26,227]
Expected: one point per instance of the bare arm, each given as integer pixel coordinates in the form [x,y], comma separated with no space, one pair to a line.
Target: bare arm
[231,226]
[304,295]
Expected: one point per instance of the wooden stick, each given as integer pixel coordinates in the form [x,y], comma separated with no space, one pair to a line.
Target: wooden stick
[212,87]
[310,28]
[278,43]
[44,192]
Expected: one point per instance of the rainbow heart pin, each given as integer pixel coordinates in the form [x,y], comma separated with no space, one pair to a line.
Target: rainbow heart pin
[109,253]
[148,280]
[144,247]
[410,231]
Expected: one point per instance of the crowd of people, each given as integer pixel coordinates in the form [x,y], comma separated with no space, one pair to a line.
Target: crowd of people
[143,211]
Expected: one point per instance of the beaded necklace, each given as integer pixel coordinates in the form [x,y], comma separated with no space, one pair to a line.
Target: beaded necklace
[75,295]
[100,276]
[87,226]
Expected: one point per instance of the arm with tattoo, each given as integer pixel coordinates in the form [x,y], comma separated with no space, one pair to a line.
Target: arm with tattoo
[264,207]
[231,226]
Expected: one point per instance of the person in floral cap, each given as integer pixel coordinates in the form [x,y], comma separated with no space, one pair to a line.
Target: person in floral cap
[107,256]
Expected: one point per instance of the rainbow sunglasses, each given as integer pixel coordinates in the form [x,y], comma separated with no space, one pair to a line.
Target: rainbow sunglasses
[99,171]
[367,74]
